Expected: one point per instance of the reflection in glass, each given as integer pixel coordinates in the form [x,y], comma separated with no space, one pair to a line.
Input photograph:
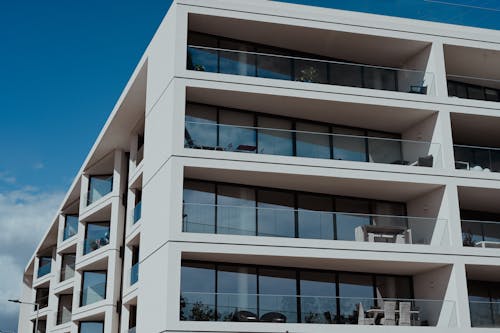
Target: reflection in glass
[99,186]
[353,290]
[315,144]
[346,75]
[273,67]
[201,127]
[238,63]
[277,293]
[318,303]
[91,327]
[197,292]
[70,226]
[315,217]
[276,215]
[239,217]
[347,223]
[275,141]
[199,59]
[237,291]
[97,236]
[347,146]
[310,71]
[200,217]
[237,138]
[93,287]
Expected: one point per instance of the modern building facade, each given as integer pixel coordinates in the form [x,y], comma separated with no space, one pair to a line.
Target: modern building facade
[281,168]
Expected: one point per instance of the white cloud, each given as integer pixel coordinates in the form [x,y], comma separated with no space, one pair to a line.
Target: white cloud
[25,215]
[7,178]
[38,166]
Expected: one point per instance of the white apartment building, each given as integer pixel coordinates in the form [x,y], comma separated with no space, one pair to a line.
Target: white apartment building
[272,167]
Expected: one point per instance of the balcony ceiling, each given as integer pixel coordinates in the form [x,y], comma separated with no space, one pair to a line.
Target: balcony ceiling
[475,130]
[481,199]
[367,49]
[382,118]
[468,61]
[483,273]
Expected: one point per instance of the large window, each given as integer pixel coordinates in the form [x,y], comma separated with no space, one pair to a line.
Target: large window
[99,186]
[70,226]
[228,56]
[96,236]
[222,208]
[213,128]
[44,265]
[42,297]
[232,292]
[67,266]
[480,229]
[91,327]
[64,309]
[93,287]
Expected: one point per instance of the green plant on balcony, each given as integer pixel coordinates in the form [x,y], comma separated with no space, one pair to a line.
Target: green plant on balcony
[308,74]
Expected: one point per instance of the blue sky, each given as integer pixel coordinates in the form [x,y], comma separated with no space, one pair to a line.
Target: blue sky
[64,64]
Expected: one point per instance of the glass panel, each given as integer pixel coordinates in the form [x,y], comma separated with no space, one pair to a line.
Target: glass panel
[201,59]
[349,147]
[99,186]
[233,62]
[491,232]
[276,214]
[64,309]
[452,89]
[385,151]
[311,71]
[310,144]
[475,92]
[495,160]
[379,78]
[396,212]
[239,217]
[463,157]
[236,138]
[134,273]
[491,95]
[472,233]
[94,287]
[393,287]
[345,75]
[273,67]
[481,159]
[461,90]
[197,291]
[199,210]
[278,295]
[275,142]
[315,217]
[70,226]
[91,327]
[97,236]
[237,293]
[354,289]
[201,127]
[346,223]
[481,314]
[68,266]
[42,326]
[318,302]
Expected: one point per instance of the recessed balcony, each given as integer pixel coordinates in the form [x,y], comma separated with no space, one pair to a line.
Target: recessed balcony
[70,226]
[480,217]
[234,130]
[253,293]
[64,308]
[44,266]
[93,287]
[472,73]
[232,209]
[483,287]
[293,53]
[96,236]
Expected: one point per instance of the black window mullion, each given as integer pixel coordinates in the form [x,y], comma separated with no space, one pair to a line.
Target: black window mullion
[258,291]
[330,138]
[298,297]
[256,196]
[217,119]
[367,152]
[216,271]
[334,217]
[256,130]
[337,294]
[216,194]
[294,138]
[296,214]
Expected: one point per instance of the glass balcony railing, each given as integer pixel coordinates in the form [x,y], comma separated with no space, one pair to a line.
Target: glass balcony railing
[67,272]
[93,294]
[44,270]
[131,330]
[99,186]
[137,211]
[481,233]
[134,274]
[485,314]
[90,245]
[42,302]
[272,141]
[269,308]
[479,159]
[308,224]
[290,68]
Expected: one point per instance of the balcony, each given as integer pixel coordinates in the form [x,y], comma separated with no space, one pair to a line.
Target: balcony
[67,267]
[484,296]
[311,224]
[306,69]
[313,309]
[472,73]
[234,131]
[94,287]
[64,309]
[255,293]
[99,186]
